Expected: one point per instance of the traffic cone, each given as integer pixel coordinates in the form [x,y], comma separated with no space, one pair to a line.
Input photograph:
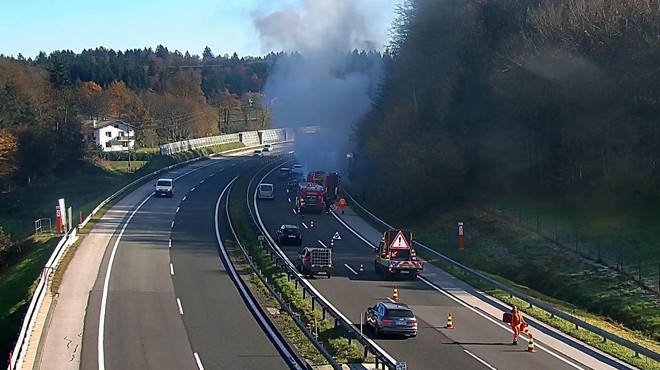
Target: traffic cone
[450,323]
[395,294]
[361,269]
[530,344]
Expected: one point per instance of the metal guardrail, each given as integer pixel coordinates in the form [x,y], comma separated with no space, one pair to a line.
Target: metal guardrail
[638,349]
[284,305]
[382,357]
[16,357]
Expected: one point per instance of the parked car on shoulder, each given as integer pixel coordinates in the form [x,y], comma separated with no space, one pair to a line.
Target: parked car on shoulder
[391,318]
[164,188]
[289,234]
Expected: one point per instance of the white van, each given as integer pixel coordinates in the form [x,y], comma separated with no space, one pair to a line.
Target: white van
[164,187]
[266,191]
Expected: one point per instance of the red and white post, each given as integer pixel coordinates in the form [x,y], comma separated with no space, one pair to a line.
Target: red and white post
[461,236]
[58,219]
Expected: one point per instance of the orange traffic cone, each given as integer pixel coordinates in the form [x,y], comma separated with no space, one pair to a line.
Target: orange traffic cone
[395,294]
[361,271]
[450,323]
[530,344]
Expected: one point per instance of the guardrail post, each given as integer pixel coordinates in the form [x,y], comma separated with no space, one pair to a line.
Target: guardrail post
[296,284]
[304,293]
[323,313]
[313,303]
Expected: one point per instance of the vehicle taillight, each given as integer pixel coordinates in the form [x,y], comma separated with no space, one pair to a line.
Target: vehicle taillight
[413,321]
[388,321]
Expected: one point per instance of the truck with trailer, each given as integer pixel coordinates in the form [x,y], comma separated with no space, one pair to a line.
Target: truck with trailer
[310,197]
[396,255]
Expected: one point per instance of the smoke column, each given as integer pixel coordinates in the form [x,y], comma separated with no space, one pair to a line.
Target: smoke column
[316,87]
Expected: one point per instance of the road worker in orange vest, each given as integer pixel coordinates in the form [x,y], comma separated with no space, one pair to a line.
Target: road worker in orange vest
[342,205]
[518,324]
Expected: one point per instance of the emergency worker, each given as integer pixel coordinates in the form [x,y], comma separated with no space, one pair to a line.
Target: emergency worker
[518,324]
[342,205]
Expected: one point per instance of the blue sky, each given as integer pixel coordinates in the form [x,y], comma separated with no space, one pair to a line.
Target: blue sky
[28,26]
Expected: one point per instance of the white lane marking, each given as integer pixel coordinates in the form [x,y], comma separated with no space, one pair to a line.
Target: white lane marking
[294,211]
[496,322]
[233,165]
[506,327]
[169,243]
[201,182]
[106,285]
[198,361]
[171,269]
[289,199]
[320,242]
[478,359]
[391,300]
[184,198]
[177,210]
[193,189]
[350,268]
[305,225]
[222,169]
[171,226]
[212,175]
[178,303]
[230,267]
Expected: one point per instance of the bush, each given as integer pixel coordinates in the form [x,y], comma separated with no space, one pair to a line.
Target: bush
[6,247]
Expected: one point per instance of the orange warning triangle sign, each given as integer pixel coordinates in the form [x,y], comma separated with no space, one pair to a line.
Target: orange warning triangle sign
[399,242]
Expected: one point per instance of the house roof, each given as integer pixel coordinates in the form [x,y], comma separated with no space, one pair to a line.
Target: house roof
[101,124]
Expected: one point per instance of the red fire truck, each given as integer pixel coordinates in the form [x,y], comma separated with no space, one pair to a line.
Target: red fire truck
[310,197]
[396,255]
[316,177]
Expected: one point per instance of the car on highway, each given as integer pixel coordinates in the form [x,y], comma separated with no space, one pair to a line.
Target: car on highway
[284,172]
[391,318]
[294,180]
[297,168]
[267,148]
[289,234]
[257,153]
[265,191]
[164,188]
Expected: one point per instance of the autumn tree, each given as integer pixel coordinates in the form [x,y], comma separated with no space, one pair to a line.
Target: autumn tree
[90,99]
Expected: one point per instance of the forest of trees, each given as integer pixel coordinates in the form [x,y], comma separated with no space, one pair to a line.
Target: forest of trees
[528,97]
[168,96]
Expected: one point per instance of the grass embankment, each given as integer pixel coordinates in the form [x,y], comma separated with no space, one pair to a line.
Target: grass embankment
[518,256]
[82,192]
[334,339]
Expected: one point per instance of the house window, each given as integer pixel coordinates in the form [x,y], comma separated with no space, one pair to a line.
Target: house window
[116,126]
[108,144]
[108,134]
[124,144]
[121,133]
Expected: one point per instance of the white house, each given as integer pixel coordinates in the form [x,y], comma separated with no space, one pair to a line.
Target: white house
[113,135]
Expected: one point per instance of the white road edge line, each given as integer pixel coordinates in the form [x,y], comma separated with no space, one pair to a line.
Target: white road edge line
[178,303]
[106,285]
[177,209]
[320,242]
[480,360]
[350,268]
[230,267]
[169,243]
[184,198]
[171,269]
[305,225]
[506,327]
[198,361]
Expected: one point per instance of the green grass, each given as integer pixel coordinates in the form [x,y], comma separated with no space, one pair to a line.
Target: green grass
[83,192]
[16,286]
[155,150]
[122,166]
[518,256]
[334,339]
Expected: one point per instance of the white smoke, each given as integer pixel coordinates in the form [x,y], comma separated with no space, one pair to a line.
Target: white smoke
[315,87]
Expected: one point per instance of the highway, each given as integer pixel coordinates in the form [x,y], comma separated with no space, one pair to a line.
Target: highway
[476,343]
[163,298]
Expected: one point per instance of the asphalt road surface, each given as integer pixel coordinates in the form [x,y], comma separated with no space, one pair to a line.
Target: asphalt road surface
[170,303]
[479,344]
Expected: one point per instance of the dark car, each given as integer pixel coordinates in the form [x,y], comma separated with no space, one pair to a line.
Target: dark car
[294,180]
[289,234]
[391,318]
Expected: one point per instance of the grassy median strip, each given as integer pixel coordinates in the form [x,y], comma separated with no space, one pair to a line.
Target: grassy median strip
[618,351]
[334,339]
